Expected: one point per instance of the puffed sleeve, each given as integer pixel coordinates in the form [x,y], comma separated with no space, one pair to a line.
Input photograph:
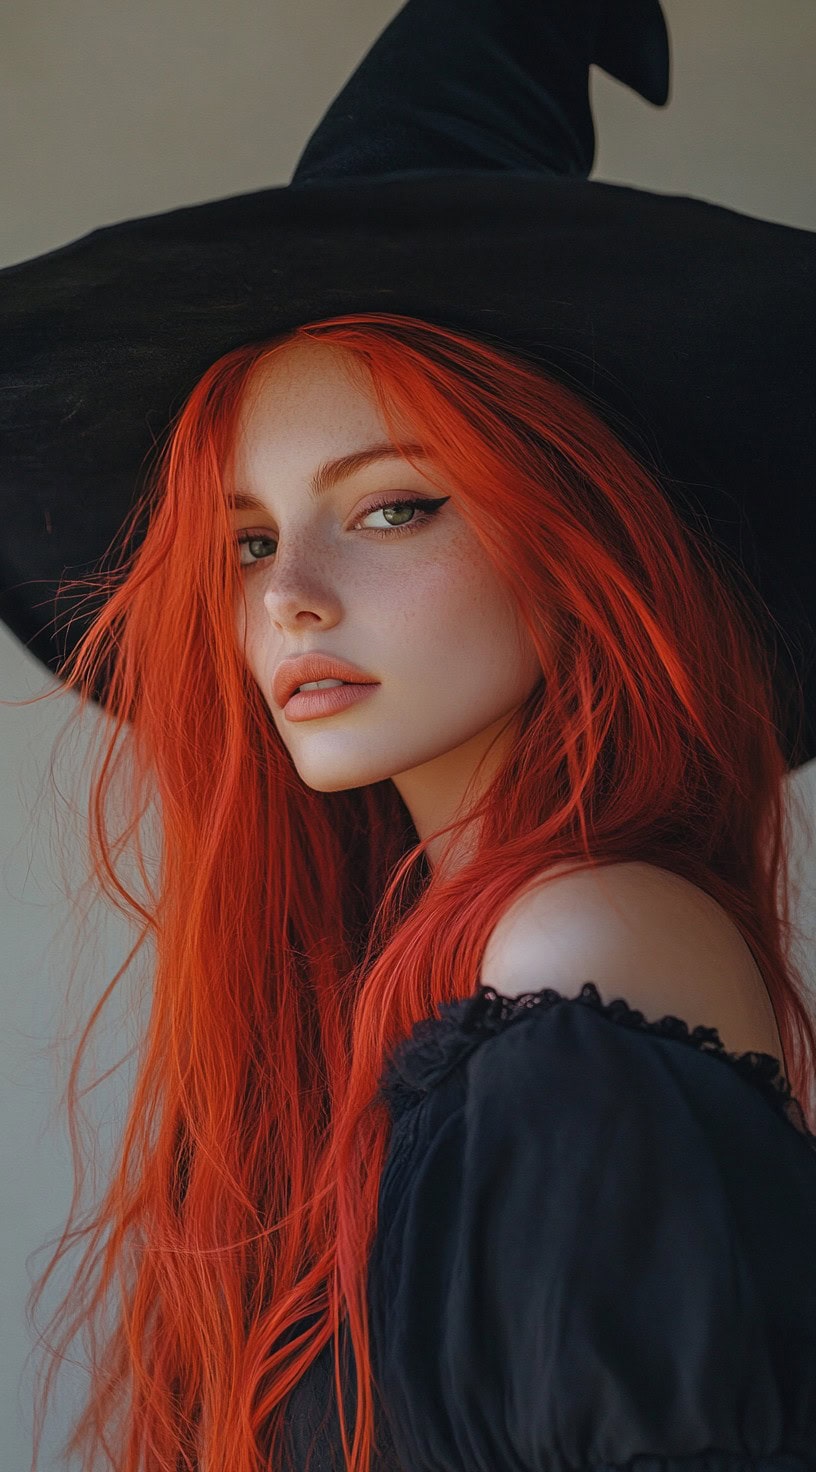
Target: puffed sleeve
[596,1247]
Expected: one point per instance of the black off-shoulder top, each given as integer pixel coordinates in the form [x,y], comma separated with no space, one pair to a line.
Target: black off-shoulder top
[596,1249]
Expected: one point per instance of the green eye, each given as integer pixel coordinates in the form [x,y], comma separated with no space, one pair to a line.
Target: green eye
[423,509]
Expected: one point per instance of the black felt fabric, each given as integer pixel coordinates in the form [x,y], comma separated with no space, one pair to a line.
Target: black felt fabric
[448,180]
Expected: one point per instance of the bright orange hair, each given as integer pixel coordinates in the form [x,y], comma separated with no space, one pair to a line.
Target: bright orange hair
[300,934]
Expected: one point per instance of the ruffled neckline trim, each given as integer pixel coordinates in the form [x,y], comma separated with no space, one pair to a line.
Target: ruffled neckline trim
[437,1045]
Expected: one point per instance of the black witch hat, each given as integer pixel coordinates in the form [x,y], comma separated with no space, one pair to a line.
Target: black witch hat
[447,181]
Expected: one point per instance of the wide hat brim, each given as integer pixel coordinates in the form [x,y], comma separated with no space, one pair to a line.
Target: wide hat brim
[687,326]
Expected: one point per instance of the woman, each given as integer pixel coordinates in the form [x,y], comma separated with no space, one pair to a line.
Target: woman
[472,1122]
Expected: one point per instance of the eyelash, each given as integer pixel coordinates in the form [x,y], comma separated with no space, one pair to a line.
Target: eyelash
[427,508]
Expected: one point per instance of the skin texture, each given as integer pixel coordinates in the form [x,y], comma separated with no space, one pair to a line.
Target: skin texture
[640,932]
[422,612]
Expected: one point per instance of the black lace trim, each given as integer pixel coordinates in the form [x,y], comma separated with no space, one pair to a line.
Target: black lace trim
[438,1044]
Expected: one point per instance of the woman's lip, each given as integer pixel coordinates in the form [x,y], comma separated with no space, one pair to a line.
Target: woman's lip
[310,666]
[307,705]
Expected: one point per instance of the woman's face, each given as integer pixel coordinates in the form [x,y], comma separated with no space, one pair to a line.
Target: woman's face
[420,611]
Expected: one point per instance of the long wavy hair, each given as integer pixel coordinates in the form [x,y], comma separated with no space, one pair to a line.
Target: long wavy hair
[299,935]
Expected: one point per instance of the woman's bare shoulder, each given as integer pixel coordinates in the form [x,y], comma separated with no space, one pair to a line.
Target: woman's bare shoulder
[639,932]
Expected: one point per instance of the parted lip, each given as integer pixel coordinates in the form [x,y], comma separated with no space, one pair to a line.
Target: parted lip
[305,667]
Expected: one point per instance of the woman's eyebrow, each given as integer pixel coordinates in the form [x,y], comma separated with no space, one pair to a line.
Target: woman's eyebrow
[332,471]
